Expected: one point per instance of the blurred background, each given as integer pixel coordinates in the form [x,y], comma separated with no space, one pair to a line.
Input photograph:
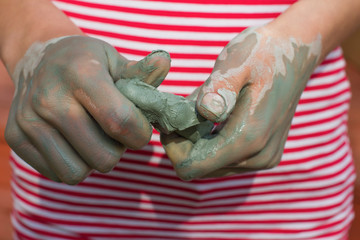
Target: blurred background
[352,53]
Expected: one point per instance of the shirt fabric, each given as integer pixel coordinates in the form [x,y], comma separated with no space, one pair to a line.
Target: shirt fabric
[307,196]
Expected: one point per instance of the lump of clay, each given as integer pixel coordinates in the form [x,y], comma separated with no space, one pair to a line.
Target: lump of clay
[167,112]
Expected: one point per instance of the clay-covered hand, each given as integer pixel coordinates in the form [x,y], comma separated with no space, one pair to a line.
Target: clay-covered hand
[67,117]
[253,92]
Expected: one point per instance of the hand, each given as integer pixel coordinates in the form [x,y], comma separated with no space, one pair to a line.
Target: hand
[67,116]
[253,91]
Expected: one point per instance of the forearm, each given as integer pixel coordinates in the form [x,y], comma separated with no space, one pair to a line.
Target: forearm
[331,20]
[23,22]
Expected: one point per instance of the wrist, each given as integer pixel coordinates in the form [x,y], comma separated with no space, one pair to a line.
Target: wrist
[307,20]
[28,26]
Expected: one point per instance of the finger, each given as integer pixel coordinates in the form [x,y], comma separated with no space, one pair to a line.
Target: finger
[235,141]
[116,115]
[22,146]
[218,95]
[152,69]
[98,150]
[269,156]
[60,156]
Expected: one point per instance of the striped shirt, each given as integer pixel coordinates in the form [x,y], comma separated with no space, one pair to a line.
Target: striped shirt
[308,196]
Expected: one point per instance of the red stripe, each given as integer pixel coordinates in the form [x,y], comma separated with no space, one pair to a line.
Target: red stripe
[326,85]
[327,73]
[179,83]
[315,134]
[173,55]
[209,206]
[180,214]
[323,109]
[320,121]
[339,58]
[267,174]
[119,188]
[155,40]
[247,2]
[74,223]
[313,157]
[162,27]
[22,236]
[174,13]
[39,231]
[323,98]
[315,145]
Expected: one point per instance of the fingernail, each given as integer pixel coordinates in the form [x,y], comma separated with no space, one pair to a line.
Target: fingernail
[213,103]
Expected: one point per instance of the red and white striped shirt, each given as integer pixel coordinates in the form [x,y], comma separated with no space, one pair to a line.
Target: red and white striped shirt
[308,196]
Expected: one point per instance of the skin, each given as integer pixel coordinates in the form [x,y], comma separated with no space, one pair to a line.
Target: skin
[335,20]
[254,134]
[254,89]
[24,22]
[65,127]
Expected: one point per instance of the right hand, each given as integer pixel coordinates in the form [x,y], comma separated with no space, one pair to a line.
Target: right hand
[68,118]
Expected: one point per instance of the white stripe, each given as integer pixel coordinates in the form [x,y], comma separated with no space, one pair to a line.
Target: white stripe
[314,151]
[283,185]
[146,159]
[214,203]
[192,7]
[316,140]
[323,103]
[111,183]
[328,125]
[220,185]
[186,77]
[216,185]
[179,62]
[167,47]
[177,89]
[330,66]
[153,33]
[234,217]
[321,115]
[168,20]
[39,226]
[202,234]
[325,92]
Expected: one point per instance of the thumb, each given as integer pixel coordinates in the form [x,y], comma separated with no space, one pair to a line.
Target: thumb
[152,69]
[218,96]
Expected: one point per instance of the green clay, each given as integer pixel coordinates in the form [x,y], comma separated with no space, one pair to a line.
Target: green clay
[167,112]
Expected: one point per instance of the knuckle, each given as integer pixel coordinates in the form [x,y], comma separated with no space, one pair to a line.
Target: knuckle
[81,66]
[275,159]
[189,173]
[257,139]
[40,102]
[119,123]
[11,136]
[184,175]
[268,159]
[129,128]
[106,163]
[75,177]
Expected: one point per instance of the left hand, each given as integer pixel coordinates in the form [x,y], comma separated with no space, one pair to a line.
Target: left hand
[253,91]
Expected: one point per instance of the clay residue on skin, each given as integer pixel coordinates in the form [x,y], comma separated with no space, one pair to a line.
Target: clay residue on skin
[231,64]
[282,66]
[32,58]
[167,112]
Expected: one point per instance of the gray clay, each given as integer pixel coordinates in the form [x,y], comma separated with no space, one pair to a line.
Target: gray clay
[167,112]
